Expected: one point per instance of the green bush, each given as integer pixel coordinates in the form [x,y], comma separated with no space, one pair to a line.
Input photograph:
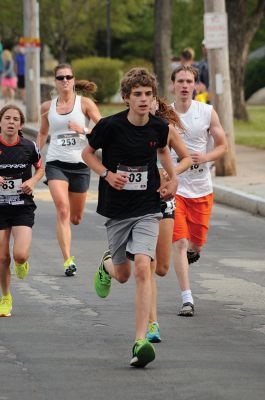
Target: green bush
[254,76]
[105,72]
[138,62]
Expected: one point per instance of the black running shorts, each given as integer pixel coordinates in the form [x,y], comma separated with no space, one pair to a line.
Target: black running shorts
[19,215]
[78,180]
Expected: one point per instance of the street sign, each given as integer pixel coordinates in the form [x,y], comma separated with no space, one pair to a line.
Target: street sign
[215,30]
[30,42]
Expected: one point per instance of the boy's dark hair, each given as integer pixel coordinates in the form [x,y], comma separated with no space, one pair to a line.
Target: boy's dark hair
[137,77]
[186,68]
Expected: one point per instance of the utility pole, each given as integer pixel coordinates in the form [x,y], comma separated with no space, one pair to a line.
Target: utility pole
[32,51]
[162,44]
[216,37]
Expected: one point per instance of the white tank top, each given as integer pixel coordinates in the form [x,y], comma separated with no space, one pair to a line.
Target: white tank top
[66,145]
[196,181]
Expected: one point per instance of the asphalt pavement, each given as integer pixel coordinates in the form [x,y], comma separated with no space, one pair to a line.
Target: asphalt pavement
[63,342]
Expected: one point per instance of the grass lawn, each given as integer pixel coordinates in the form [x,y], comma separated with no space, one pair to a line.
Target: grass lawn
[109,109]
[250,133]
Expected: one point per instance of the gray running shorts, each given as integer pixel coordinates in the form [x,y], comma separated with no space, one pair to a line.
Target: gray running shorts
[127,237]
[78,181]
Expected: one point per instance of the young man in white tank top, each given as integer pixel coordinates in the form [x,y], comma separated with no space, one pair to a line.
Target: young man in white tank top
[194,196]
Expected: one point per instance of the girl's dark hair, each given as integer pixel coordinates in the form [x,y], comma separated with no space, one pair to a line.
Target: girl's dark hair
[13,107]
[81,86]
[168,114]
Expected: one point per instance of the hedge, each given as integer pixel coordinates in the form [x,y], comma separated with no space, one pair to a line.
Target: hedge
[254,76]
[105,72]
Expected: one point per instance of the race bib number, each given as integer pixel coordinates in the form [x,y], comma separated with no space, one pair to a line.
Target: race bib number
[137,177]
[11,187]
[196,169]
[67,140]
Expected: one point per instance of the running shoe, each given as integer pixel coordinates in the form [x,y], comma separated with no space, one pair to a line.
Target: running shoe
[143,353]
[187,310]
[22,270]
[102,280]
[6,306]
[153,333]
[193,256]
[70,267]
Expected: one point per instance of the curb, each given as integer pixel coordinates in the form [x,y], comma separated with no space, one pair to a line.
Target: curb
[238,199]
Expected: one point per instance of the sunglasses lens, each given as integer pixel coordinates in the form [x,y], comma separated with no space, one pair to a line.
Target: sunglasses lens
[61,77]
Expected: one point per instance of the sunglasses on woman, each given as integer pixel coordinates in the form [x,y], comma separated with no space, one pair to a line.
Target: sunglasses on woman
[61,77]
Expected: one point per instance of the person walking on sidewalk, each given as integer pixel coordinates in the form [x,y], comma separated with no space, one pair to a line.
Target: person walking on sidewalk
[66,119]
[9,78]
[129,195]
[17,156]
[164,244]
[194,198]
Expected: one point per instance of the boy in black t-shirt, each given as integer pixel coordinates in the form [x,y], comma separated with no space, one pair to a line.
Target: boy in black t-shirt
[129,195]
[17,156]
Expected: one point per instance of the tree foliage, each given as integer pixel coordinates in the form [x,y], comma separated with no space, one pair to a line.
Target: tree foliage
[187,26]
[11,22]
[77,28]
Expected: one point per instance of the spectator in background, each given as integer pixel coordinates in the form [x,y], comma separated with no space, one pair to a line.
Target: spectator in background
[175,61]
[20,70]
[187,56]
[201,93]
[9,79]
[203,67]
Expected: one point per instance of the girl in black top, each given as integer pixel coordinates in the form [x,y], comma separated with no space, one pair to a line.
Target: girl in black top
[17,156]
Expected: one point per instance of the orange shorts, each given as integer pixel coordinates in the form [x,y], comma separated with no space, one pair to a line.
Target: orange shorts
[192,218]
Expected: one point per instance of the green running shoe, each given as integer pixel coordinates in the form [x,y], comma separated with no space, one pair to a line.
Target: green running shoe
[69,266]
[153,333]
[143,353]
[22,270]
[6,306]
[102,280]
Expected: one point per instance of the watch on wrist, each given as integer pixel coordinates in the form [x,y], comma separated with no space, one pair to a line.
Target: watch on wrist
[86,130]
[104,174]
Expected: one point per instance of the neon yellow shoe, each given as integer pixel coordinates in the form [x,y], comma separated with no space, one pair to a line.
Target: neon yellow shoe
[143,353]
[22,270]
[69,266]
[102,279]
[6,306]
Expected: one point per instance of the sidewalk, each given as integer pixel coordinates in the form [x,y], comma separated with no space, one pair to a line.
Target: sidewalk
[245,191]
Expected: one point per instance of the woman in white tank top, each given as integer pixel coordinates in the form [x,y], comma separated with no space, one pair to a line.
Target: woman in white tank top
[66,119]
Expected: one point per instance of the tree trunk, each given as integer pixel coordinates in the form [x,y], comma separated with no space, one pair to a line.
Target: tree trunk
[242,27]
[163,16]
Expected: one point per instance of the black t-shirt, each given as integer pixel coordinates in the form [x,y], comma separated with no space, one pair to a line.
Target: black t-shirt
[16,161]
[126,145]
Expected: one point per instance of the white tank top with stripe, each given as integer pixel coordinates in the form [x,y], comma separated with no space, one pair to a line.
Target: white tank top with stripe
[66,145]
